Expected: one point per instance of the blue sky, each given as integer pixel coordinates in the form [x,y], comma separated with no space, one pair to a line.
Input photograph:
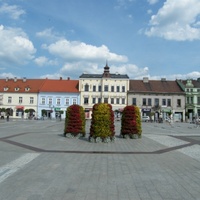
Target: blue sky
[141,38]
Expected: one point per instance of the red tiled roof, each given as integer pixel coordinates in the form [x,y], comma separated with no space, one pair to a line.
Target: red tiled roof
[154,86]
[23,85]
[51,85]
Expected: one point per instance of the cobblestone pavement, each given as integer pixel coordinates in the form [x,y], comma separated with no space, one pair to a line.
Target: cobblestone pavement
[37,162]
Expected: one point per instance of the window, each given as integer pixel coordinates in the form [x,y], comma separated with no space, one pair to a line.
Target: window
[144,102]
[164,102]
[86,100]
[9,99]
[50,101]
[106,88]
[27,89]
[178,102]
[99,100]
[86,88]
[191,100]
[67,101]
[117,101]
[112,88]
[6,88]
[123,100]
[156,102]
[93,100]
[149,102]
[112,100]
[58,101]
[43,101]
[134,101]
[74,101]
[105,100]
[118,90]
[123,88]
[198,100]
[99,88]
[168,102]
[31,100]
[20,99]
[94,88]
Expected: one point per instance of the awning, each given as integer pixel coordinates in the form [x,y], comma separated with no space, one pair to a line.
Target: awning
[19,107]
[57,109]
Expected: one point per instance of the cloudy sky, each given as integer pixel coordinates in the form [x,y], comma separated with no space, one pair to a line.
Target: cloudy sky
[51,38]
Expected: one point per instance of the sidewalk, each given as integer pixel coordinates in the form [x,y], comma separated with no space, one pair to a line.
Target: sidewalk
[37,162]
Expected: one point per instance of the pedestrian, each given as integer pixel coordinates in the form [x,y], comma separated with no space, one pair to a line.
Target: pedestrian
[197,122]
[7,116]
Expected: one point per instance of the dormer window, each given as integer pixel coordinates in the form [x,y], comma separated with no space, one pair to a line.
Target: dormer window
[27,89]
[5,89]
[17,89]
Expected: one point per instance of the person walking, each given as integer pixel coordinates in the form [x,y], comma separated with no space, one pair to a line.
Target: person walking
[7,116]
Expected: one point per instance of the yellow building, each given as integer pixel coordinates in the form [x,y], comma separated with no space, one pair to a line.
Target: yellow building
[103,88]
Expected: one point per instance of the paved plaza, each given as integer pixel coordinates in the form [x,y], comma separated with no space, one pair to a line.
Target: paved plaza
[38,163]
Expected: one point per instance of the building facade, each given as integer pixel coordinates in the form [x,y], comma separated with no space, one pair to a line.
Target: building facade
[158,99]
[19,96]
[192,90]
[103,88]
[55,96]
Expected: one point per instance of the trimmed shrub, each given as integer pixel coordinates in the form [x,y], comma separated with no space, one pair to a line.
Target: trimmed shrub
[102,127]
[75,121]
[131,122]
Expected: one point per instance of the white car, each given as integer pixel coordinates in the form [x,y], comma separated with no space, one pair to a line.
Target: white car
[145,118]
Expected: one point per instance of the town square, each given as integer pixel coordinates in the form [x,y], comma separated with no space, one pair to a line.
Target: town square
[38,162]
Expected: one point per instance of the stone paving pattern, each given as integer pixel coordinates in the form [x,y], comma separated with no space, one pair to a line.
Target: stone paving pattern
[38,163]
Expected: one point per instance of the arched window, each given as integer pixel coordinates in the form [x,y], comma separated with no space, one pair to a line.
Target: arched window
[86,88]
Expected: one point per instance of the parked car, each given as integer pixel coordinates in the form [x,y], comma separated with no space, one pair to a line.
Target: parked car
[145,118]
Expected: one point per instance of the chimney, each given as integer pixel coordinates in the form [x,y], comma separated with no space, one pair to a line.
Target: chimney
[60,78]
[15,79]
[68,78]
[163,79]
[24,79]
[7,79]
[145,79]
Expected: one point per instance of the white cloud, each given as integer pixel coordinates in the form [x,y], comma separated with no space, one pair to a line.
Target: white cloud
[13,11]
[94,68]
[9,75]
[176,20]
[193,75]
[131,70]
[149,11]
[49,34]
[42,61]
[75,50]
[15,47]
[152,1]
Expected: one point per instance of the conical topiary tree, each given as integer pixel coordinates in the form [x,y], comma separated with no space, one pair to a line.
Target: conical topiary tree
[102,123]
[131,122]
[74,121]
